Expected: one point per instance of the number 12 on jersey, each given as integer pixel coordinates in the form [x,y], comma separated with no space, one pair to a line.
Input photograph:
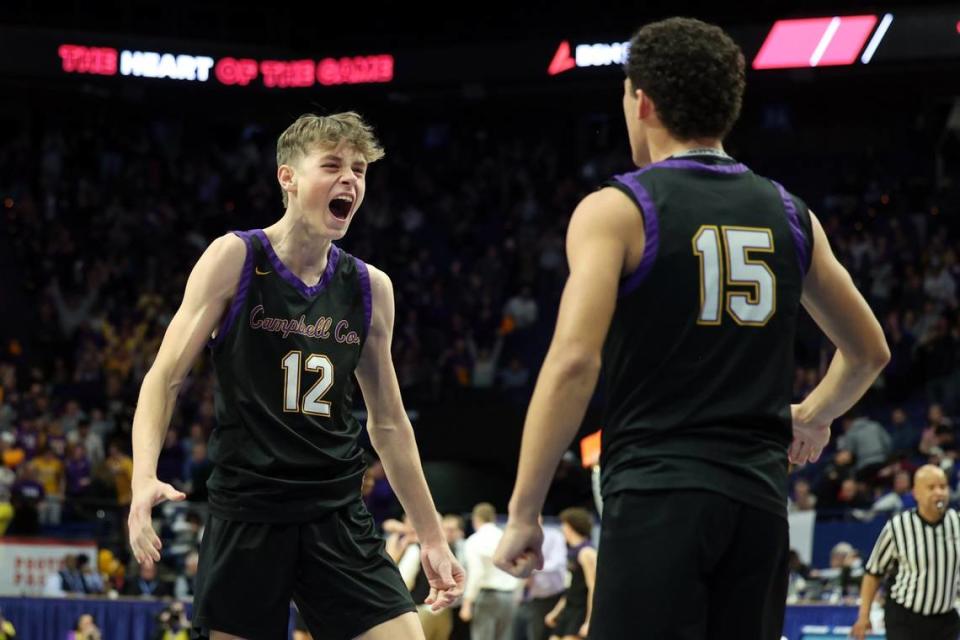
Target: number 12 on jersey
[726,261]
[313,403]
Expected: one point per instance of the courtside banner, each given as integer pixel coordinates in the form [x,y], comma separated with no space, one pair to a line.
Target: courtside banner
[25,563]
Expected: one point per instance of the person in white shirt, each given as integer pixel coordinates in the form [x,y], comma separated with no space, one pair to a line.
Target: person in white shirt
[489,601]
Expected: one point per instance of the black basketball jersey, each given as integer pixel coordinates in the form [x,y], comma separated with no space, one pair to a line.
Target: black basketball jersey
[698,364]
[285,445]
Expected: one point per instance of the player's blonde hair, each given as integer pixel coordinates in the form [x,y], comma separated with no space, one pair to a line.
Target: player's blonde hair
[311,129]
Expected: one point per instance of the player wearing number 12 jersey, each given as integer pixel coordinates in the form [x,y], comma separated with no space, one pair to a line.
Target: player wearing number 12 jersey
[290,320]
[686,280]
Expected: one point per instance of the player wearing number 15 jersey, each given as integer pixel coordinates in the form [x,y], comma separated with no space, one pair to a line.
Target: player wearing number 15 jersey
[686,280]
[291,319]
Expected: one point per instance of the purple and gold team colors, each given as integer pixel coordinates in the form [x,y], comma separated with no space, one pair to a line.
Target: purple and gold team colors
[287,520]
[698,361]
[698,364]
[285,447]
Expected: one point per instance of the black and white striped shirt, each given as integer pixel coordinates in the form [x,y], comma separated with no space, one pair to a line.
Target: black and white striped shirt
[926,559]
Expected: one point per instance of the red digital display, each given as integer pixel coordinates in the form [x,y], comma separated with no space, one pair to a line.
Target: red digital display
[287,73]
[356,70]
[79,59]
[274,74]
[232,71]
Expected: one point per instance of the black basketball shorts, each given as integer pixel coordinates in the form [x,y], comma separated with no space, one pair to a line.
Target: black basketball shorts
[689,565]
[336,570]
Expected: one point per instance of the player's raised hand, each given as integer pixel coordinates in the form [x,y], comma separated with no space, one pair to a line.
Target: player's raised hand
[809,438]
[520,550]
[444,574]
[144,541]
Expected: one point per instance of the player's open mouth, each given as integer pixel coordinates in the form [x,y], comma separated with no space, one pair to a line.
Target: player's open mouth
[340,207]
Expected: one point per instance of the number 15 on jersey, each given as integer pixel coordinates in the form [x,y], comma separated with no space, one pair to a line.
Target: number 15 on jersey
[726,261]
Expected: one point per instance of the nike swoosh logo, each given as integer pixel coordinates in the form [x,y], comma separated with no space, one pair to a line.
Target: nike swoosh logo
[261,273]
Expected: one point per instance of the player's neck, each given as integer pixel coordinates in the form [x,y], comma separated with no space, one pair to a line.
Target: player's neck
[301,247]
[576,541]
[663,148]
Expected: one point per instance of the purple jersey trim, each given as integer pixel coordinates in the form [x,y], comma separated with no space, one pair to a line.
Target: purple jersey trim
[308,292]
[651,231]
[240,297]
[796,229]
[366,291]
[677,163]
[651,225]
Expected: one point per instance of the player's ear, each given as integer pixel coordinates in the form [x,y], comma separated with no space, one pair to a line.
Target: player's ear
[287,178]
[645,106]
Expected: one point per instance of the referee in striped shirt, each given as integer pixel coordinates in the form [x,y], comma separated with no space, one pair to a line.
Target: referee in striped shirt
[921,549]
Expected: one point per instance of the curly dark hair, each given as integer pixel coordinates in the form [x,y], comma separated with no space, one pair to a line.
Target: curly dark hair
[693,72]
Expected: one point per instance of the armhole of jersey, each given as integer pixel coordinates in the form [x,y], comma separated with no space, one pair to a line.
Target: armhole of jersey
[802,236]
[240,297]
[651,230]
[364,274]
[803,213]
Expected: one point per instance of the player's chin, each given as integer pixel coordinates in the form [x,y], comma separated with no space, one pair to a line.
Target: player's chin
[337,227]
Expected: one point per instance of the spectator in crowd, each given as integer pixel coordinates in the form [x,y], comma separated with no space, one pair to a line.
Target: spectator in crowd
[147,583]
[90,440]
[802,499]
[900,497]
[120,466]
[842,578]
[868,442]
[25,497]
[839,469]
[905,437]
[90,575]
[68,579]
[185,582]
[485,362]
[85,629]
[199,469]
[78,472]
[799,575]
[522,308]
[49,472]
[488,597]
[172,623]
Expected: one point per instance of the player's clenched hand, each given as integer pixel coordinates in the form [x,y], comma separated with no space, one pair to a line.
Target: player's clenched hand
[143,539]
[444,574]
[809,438]
[520,550]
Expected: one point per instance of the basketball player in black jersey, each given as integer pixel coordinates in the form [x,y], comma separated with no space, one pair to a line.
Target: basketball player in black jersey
[290,318]
[686,279]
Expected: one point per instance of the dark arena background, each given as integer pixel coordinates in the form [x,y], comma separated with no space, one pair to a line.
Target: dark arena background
[133,134]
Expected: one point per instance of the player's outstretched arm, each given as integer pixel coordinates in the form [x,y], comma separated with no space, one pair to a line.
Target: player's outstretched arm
[211,286]
[597,252]
[834,303]
[392,436]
